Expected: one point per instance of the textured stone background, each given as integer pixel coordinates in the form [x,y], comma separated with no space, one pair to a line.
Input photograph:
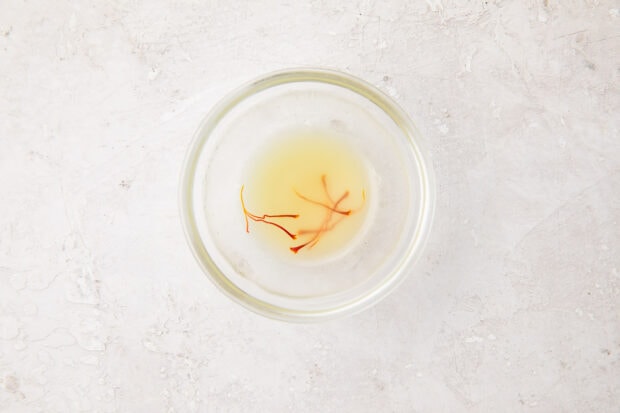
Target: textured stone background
[515,306]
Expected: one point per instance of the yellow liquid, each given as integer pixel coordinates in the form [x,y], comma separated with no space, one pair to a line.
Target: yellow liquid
[316,177]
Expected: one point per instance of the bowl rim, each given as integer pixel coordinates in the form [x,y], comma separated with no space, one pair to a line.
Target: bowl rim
[334,78]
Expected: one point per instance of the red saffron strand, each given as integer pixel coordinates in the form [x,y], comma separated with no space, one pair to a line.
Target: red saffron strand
[293,236]
[274,216]
[262,218]
[314,231]
[312,242]
[324,183]
[312,201]
[329,228]
[245,211]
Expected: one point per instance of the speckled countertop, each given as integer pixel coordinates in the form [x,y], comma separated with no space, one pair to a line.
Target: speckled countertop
[515,306]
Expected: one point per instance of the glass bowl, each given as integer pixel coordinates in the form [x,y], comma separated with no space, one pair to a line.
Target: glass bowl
[400,201]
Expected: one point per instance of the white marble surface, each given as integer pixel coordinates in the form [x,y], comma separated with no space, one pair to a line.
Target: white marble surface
[515,306]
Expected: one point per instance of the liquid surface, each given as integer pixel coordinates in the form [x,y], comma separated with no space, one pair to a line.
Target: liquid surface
[305,195]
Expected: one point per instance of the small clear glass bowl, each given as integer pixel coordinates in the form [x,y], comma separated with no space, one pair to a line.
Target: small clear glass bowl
[401,197]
